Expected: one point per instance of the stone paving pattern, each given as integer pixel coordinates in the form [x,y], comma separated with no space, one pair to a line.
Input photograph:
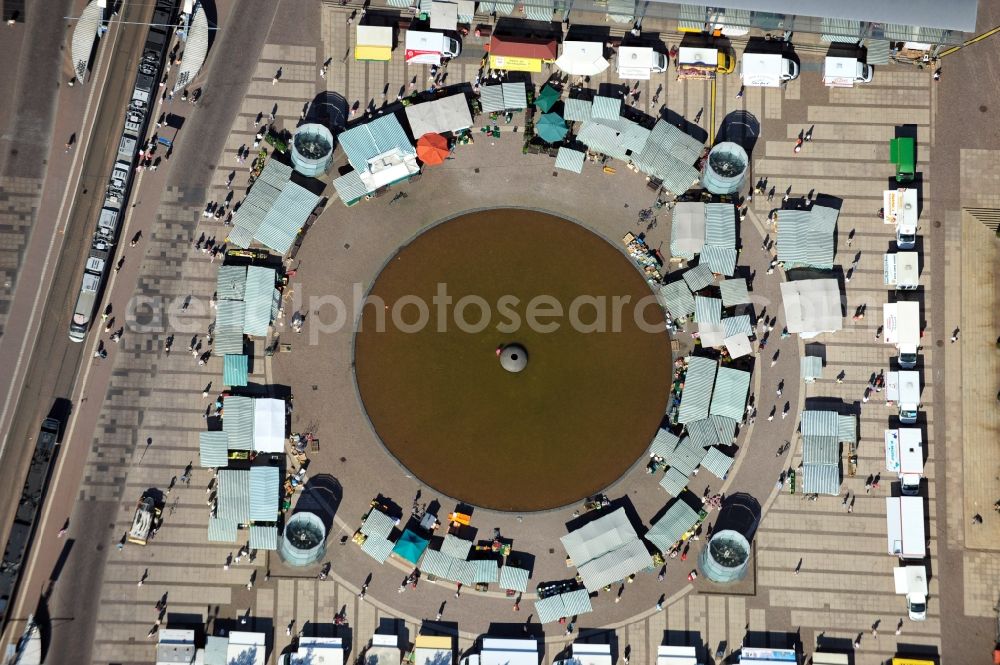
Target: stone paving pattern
[839,592]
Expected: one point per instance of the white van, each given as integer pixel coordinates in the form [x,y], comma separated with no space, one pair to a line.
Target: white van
[639,62]
[904,456]
[911,581]
[899,207]
[901,270]
[901,326]
[767,70]
[841,72]
[905,525]
[427,48]
[903,388]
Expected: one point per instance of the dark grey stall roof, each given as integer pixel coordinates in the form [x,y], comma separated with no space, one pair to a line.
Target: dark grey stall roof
[952,15]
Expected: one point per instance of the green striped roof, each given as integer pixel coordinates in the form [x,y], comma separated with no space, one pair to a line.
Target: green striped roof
[666,531]
[237,421]
[734,292]
[674,481]
[230,282]
[234,495]
[699,277]
[235,369]
[570,160]
[514,578]
[697,393]
[263,537]
[806,238]
[812,368]
[678,299]
[731,389]
[720,225]
[258,297]
[577,110]
[214,449]
[717,463]
[265,493]
[222,531]
[707,310]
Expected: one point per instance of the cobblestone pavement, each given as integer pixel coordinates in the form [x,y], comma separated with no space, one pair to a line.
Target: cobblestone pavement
[840,591]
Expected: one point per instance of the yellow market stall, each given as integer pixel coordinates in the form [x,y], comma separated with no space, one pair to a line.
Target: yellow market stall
[374,42]
[521,54]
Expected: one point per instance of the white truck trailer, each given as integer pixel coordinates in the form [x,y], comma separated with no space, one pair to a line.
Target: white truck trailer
[903,388]
[904,456]
[901,327]
[639,62]
[911,582]
[901,270]
[899,207]
[905,526]
[767,70]
[844,72]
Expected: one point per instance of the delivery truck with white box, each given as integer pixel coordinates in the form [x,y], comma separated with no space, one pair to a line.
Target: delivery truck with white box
[901,327]
[844,72]
[899,207]
[767,70]
[911,582]
[639,62]
[904,456]
[703,62]
[905,526]
[903,388]
[901,270]
[427,48]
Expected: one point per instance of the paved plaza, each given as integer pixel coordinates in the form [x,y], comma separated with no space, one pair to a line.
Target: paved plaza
[821,574]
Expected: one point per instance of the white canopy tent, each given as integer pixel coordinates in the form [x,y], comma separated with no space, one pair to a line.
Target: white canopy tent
[812,306]
[384,650]
[269,425]
[447,114]
[582,58]
[246,648]
[316,651]
[497,651]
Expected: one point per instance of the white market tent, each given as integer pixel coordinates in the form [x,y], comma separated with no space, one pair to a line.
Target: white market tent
[246,648]
[496,651]
[582,58]
[590,654]
[446,114]
[812,306]
[384,650]
[432,650]
[668,655]
[269,425]
[687,230]
[317,651]
[606,550]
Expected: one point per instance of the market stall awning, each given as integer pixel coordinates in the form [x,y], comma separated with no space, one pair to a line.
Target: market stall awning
[687,229]
[812,305]
[678,299]
[214,449]
[265,493]
[263,537]
[514,578]
[432,149]
[674,481]
[551,128]
[257,300]
[444,15]
[195,49]
[84,35]
[663,443]
[698,277]
[811,368]
[235,368]
[237,421]
[707,310]
[439,116]
[730,396]
[410,546]
[697,394]
[717,463]
[734,292]
[582,58]
[806,238]
[667,530]
[563,605]
[374,42]
[268,425]
[233,492]
[570,160]
[577,110]
[547,98]
[222,530]
[606,550]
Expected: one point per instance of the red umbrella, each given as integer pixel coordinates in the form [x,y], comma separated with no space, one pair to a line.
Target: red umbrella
[432,149]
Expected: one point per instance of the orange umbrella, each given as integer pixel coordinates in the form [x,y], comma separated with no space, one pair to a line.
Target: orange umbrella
[432,149]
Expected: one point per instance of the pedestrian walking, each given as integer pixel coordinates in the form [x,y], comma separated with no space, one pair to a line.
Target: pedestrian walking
[770,194]
[739,94]
[954,336]
[899,627]
[857,642]
[798,145]
[937,74]
[977,519]
[809,134]
[798,567]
